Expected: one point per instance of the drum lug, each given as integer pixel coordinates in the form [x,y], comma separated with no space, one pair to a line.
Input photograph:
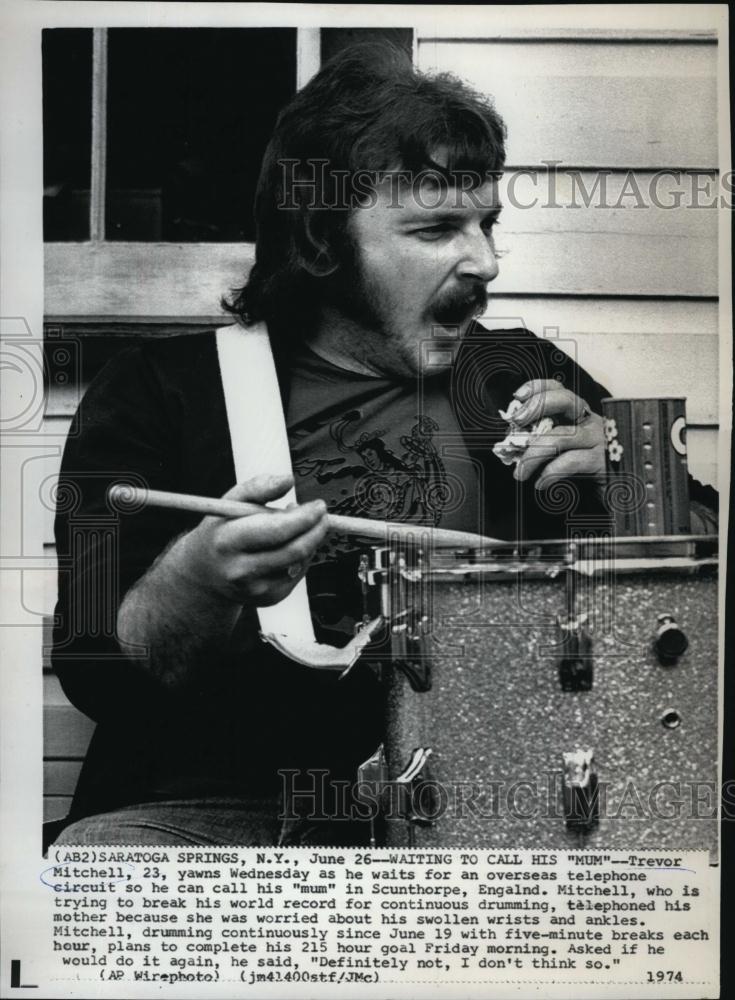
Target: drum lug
[374,770]
[417,673]
[581,802]
[410,797]
[416,799]
[576,666]
[405,605]
[373,568]
[372,782]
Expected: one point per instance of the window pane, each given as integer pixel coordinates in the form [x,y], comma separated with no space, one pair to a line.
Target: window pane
[67,132]
[190,111]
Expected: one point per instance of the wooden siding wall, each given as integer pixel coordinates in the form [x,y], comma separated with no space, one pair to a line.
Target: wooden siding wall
[630,288]
[631,293]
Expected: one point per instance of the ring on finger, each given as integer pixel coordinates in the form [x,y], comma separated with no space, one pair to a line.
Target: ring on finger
[586,412]
[295,570]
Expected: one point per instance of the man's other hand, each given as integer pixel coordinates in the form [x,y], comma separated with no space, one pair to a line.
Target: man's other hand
[258,559]
[574,446]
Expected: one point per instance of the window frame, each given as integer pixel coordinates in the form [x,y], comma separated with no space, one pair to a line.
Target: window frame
[100,282]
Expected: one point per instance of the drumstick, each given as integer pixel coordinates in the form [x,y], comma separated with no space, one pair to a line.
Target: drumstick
[133,498]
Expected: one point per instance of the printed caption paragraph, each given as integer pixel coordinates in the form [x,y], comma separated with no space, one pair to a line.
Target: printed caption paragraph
[385,919]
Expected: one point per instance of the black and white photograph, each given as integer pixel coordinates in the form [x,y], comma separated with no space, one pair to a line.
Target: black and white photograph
[366,434]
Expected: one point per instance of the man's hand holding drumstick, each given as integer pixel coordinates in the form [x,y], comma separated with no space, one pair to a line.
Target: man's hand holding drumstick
[258,559]
[187,605]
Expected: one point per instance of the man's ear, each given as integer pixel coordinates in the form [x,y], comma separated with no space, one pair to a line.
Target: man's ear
[313,249]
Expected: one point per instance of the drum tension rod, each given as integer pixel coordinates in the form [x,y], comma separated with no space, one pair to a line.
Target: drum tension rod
[579,786]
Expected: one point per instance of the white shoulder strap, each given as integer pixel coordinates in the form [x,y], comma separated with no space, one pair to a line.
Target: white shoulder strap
[260,446]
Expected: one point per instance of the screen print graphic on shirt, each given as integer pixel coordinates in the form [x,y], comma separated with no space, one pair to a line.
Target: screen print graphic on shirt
[406,485]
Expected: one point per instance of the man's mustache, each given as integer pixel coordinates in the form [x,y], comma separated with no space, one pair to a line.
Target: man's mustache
[459,303]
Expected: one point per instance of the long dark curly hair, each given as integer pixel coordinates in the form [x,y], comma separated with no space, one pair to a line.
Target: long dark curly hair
[367,111]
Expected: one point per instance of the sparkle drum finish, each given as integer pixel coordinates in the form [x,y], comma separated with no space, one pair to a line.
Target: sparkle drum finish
[559,696]
[646,456]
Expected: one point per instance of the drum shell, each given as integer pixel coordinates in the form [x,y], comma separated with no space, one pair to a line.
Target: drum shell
[496,717]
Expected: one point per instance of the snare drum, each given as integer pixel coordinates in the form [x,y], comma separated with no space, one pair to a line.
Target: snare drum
[559,695]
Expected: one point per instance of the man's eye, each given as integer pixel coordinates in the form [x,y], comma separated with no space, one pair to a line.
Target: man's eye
[489,225]
[434,232]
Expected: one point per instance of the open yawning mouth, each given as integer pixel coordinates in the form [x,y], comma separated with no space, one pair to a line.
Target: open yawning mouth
[457,307]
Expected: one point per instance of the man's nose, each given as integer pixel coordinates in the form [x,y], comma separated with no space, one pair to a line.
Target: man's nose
[478,259]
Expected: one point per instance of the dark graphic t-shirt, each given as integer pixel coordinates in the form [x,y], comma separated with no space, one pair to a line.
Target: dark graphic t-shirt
[378,449]
[156,416]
